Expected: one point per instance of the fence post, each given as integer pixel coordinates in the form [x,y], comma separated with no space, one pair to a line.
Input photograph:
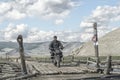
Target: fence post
[1,69]
[21,51]
[72,59]
[95,39]
[109,65]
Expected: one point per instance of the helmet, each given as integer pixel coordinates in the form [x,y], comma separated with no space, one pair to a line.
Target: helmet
[55,37]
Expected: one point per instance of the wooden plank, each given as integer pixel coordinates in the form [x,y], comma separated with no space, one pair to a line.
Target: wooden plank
[62,70]
[28,76]
[71,70]
[52,69]
[41,70]
[91,62]
[32,68]
[39,67]
[47,71]
[7,77]
[78,70]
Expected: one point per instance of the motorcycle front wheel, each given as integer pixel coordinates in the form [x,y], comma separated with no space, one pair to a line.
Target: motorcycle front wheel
[58,61]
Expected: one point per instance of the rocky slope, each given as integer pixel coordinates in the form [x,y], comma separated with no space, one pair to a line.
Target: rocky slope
[108,45]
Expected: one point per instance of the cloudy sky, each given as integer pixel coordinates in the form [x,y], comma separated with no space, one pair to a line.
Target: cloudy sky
[70,20]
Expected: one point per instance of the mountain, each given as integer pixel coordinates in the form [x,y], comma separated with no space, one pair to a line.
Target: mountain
[35,49]
[108,45]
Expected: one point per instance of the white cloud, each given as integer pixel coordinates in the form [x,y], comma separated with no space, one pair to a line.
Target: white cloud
[89,30]
[49,9]
[86,24]
[4,7]
[86,36]
[15,15]
[105,16]
[106,13]
[59,21]
[11,32]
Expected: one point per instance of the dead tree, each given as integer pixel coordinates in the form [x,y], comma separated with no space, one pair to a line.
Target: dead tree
[22,56]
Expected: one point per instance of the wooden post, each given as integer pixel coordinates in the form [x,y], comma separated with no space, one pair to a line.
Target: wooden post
[72,59]
[88,60]
[109,65]
[0,69]
[95,39]
[6,56]
[21,51]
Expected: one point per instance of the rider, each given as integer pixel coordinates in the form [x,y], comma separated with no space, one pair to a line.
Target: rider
[55,44]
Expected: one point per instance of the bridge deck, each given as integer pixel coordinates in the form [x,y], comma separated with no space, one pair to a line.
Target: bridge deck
[50,69]
[12,71]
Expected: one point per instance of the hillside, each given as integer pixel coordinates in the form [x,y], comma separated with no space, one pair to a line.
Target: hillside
[41,48]
[108,45]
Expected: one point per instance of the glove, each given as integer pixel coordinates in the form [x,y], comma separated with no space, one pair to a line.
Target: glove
[51,49]
[62,48]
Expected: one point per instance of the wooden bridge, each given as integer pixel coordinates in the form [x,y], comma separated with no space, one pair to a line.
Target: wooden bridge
[11,70]
[50,69]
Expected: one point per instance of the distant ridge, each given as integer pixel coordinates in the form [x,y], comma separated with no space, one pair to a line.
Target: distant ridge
[40,48]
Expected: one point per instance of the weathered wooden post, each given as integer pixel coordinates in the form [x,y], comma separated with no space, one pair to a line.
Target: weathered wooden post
[21,51]
[88,60]
[0,69]
[72,59]
[6,56]
[95,39]
[109,65]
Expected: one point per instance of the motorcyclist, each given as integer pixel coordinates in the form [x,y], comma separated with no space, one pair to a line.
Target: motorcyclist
[55,44]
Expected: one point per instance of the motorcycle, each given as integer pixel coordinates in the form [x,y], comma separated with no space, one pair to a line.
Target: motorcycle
[57,57]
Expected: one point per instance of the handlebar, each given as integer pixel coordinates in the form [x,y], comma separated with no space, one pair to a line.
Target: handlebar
[56,48]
